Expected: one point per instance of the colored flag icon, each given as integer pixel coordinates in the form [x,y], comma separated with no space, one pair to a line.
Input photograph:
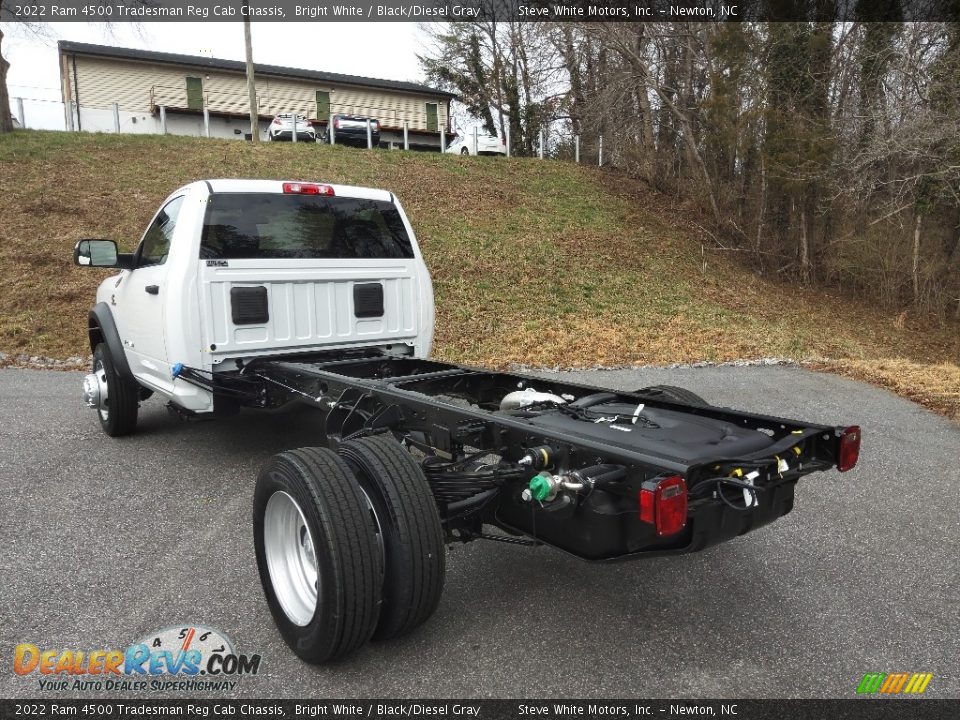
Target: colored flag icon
[894,683]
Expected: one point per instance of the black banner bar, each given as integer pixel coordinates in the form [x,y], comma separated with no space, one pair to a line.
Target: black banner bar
[631,709]
[140,11]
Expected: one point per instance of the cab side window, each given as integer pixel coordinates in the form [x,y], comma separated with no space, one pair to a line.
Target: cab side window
[156,241]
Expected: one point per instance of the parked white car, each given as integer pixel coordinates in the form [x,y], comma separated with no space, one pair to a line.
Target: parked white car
[282,128]
[467,143]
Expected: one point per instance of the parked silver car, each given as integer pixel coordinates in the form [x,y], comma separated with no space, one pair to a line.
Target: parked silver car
[352,130]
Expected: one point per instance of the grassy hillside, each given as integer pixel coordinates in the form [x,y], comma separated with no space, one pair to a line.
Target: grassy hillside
[544,263]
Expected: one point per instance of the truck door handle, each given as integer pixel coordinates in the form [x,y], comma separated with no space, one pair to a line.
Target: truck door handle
[153,289]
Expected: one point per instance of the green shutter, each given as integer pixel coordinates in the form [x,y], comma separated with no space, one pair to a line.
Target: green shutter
[323,105]
[432,124]
[194,93]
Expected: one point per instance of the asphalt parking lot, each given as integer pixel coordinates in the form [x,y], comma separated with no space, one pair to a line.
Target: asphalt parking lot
[103,541]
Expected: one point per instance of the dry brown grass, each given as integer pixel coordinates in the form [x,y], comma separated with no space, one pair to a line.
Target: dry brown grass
[936,386]
[542,263]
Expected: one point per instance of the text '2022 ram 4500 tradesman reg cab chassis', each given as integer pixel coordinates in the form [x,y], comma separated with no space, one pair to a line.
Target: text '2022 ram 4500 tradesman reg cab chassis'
[254,293]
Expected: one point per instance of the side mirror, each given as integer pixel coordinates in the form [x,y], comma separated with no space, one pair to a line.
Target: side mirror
[96,253]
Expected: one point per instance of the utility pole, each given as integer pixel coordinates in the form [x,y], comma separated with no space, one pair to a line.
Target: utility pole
[251,84]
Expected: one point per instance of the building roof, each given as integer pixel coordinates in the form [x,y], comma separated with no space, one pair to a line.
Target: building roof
[107,51]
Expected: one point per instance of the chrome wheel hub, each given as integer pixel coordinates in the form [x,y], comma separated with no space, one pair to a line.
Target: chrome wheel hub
[95,393]
[291,558]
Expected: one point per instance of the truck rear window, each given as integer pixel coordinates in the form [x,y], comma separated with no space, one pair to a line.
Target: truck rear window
[270,225]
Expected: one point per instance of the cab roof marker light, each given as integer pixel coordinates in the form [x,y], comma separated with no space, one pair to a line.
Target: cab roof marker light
[300,188]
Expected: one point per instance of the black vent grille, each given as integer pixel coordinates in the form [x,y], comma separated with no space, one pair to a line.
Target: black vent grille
[249,305]
[368,300]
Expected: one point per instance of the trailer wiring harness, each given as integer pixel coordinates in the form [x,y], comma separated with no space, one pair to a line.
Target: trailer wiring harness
[248,390]
[714,486]
[740,481]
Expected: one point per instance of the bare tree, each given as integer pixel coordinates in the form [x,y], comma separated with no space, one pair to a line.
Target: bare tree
[6,121]
[38,29]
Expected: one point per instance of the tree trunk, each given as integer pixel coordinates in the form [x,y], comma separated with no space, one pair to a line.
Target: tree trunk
[916,260]
[6,123]
[647,164]
[491,32]
[694,158]
[804,248]
[758,248]
[571,61]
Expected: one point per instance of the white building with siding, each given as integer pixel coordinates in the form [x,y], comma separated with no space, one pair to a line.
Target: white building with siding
[105,86]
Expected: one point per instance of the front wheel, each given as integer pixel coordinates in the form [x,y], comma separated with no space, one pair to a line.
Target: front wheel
[115,398]
[464,151]
[317,553]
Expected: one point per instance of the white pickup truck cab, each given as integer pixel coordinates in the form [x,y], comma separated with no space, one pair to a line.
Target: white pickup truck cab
[228,270]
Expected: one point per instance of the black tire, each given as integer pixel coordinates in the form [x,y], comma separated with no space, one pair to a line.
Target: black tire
[119,417]
[464,151]
[343,537]
[415,557]
[672,392]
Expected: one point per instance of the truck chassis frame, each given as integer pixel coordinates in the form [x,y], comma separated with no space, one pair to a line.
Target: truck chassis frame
[474,455]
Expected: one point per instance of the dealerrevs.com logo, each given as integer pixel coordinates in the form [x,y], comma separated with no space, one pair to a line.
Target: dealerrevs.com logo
[188,658]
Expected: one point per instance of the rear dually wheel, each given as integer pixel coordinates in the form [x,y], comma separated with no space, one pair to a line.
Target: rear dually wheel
[319,561]
[409,525]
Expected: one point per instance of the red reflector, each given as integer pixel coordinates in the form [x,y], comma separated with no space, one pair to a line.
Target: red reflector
[663,504]
[849,448]
[307,188]
[647,513]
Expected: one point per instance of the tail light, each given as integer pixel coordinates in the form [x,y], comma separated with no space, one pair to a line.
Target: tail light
[277,121]
[849,448]
[663,504]
[336,123]
[298,188]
